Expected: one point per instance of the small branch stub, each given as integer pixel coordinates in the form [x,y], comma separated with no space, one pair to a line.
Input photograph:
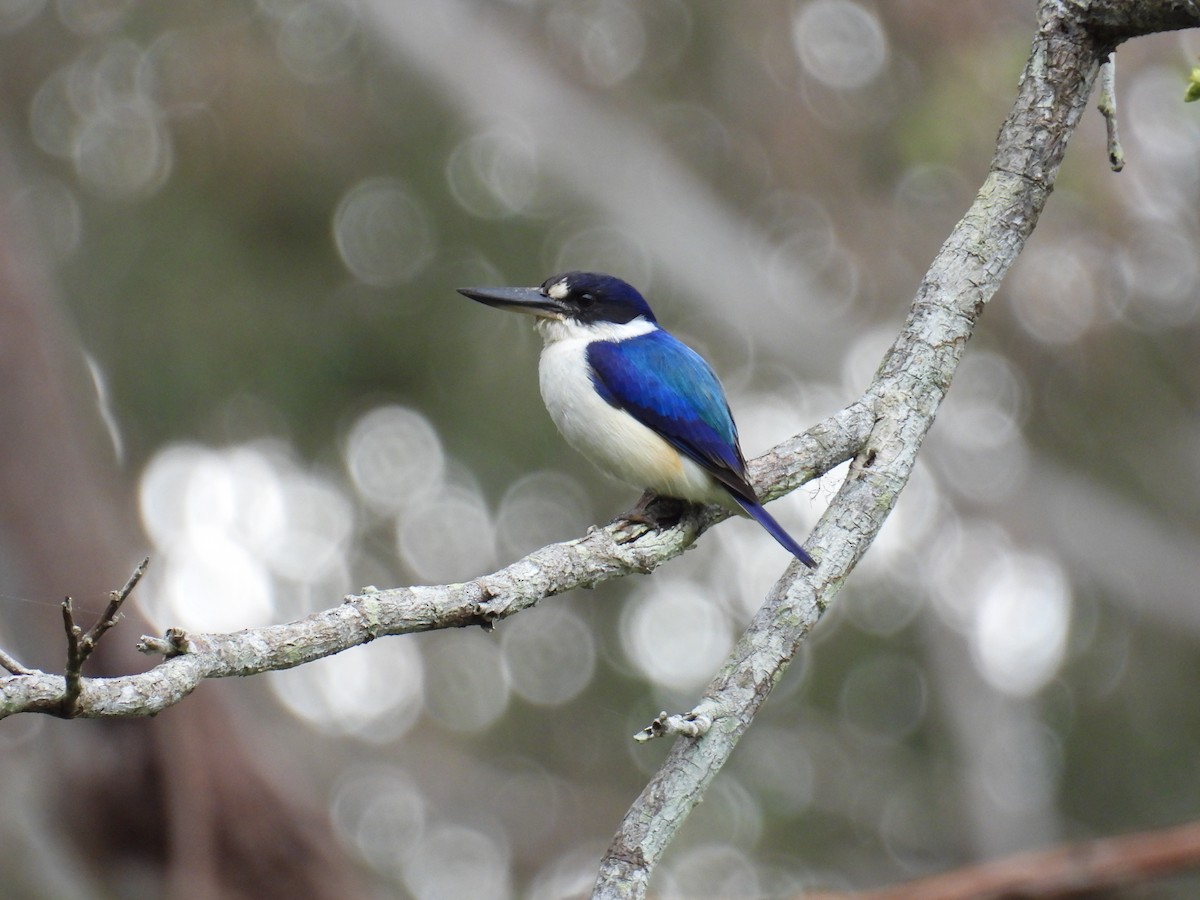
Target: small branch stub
[1108,109]
[692,724]
[173,643]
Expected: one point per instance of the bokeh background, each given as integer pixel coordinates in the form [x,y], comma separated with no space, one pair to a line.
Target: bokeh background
[230,234]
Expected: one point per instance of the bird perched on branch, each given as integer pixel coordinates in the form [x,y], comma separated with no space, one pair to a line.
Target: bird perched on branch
[636,401]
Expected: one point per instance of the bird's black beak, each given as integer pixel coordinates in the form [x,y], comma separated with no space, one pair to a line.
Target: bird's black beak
[529,300]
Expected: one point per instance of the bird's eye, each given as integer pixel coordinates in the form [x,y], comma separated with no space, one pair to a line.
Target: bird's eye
[586,300]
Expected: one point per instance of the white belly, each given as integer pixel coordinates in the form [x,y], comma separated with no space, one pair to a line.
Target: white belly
[613,440]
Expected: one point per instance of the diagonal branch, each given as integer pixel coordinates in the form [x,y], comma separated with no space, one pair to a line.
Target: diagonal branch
[9,663]
[908,389]
[1082,869]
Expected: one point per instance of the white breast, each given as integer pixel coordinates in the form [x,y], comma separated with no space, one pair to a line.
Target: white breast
[613,440]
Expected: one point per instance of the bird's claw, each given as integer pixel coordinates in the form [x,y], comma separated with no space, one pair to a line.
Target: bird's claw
[651,513]
[629,530]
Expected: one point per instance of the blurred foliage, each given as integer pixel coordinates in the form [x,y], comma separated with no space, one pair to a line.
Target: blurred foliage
[1193,90]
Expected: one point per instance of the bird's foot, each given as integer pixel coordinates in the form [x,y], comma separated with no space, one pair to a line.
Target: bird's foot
[650,513]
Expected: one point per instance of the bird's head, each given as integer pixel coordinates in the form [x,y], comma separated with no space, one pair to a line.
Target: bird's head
[585,298]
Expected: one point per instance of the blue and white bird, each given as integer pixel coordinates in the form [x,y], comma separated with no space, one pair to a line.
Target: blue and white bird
[636,401]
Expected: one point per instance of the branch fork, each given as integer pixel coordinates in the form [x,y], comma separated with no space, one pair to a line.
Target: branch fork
[81,644]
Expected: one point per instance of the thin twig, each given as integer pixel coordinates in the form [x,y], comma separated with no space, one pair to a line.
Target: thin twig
[10,663]
[112,612]
[1108,108]
[75,657]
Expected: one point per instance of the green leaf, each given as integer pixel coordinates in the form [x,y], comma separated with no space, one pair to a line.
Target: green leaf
[1193,90]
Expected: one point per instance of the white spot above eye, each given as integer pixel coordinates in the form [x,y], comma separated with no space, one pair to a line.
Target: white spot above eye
[558,290]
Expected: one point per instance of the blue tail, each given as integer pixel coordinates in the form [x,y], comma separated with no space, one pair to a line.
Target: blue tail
[767,521]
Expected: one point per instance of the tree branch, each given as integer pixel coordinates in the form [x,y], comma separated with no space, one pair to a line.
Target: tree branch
[1074,870]
[908,389]
[603,554]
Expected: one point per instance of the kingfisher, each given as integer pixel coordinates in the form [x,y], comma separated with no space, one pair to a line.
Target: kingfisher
[632,398]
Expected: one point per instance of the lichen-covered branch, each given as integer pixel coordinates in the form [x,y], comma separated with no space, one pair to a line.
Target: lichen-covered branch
[909,387]
[599,556]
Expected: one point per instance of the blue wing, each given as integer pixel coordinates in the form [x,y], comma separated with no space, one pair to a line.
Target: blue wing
[669,388]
